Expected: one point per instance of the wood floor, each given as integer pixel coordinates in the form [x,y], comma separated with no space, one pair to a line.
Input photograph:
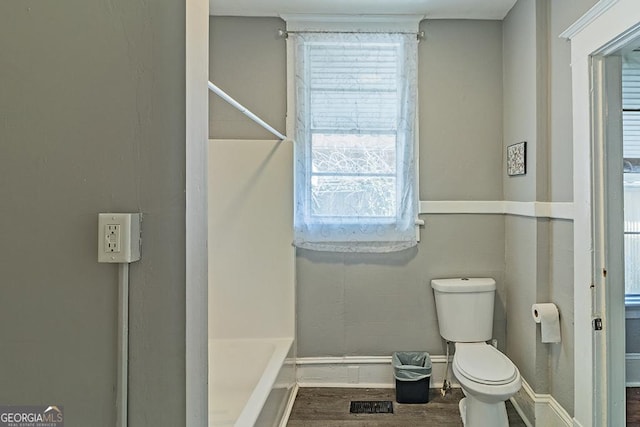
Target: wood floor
[633,406]
[329,407]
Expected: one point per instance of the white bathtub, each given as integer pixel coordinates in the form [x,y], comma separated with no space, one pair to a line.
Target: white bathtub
[250,381]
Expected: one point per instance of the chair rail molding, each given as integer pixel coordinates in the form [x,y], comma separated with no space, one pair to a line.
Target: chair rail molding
[553,210]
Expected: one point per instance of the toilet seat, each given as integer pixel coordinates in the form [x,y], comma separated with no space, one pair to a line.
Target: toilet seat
[484,364]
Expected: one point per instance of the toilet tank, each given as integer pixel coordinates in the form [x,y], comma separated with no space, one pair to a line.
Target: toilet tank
[464,307]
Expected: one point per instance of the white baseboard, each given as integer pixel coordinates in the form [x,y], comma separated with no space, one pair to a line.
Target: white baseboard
[543,408]
[632,372]
[359,372]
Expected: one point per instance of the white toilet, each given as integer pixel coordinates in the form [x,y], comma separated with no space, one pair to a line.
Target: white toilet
[465,316]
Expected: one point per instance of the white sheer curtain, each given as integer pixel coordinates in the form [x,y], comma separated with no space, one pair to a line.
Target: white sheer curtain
[355,168]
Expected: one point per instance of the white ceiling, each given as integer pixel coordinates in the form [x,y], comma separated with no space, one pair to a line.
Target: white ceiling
[433,9]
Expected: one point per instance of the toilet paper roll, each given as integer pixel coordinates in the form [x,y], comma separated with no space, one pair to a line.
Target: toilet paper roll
[547,315]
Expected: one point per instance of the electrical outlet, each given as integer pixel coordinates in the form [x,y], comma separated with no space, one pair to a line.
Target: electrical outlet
[112,238]
[118,237]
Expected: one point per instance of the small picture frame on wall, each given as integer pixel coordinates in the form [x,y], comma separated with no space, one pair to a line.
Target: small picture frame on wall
[517,159]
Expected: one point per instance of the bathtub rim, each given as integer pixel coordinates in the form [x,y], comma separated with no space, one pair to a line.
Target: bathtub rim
[260,393]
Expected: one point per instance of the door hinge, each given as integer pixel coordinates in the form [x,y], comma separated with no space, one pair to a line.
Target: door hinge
[597,324]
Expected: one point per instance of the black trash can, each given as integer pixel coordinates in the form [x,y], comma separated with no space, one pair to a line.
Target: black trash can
[412,371]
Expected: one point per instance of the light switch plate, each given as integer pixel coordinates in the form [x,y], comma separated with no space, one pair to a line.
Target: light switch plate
[119,237]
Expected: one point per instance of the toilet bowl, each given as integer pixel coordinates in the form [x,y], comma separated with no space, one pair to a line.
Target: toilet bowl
[487,378]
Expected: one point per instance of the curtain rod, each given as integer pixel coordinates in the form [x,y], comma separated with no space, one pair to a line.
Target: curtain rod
[285,33]
[222,94]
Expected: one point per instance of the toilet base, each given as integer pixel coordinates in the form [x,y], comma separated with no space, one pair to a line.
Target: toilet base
[475,413]
[462,405]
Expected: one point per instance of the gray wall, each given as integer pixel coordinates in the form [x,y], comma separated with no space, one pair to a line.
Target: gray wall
[539,252]
[250,65]
[354,304]
[561,356]
[562,15]
[92,119]
[350,304]
[520,95]
[460,110]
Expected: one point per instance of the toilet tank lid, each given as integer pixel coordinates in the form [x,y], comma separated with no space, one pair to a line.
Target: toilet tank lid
[464,284]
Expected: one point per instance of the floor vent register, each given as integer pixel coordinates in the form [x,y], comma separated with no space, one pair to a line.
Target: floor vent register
[371,407]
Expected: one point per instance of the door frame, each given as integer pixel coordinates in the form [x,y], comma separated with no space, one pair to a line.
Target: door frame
[196,276]
[604,29]
[608,231]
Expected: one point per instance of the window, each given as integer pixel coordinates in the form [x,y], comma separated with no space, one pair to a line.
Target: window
[631,154]
[355,97]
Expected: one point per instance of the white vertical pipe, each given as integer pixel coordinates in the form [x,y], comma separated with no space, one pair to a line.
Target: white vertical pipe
[122,383]
[222,94]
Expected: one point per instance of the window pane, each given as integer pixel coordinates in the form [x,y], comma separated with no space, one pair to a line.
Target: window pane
[354,110]
[353,86]
[353,154]
[632,225]
[631,134]
[353,196]
[339,65]
[631,202]
[630,84]
[632,264]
